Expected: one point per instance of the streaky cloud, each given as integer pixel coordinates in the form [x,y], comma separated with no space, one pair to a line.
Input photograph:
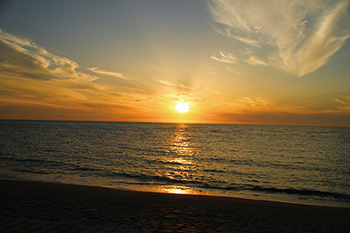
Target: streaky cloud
[23,58]
[253,60]
[103,72]
[236,72]
[260,105]
[177,86]
[296,36]
[49,85]
[227,32]
[30,75]
[224,57]
[344,101]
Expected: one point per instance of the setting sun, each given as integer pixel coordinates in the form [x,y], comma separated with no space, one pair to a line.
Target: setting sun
[182,107]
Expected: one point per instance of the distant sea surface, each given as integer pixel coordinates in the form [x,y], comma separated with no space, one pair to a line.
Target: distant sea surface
[300,164]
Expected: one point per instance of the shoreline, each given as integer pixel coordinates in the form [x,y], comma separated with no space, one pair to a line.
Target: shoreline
[178,189]
[181,190]
[156,212]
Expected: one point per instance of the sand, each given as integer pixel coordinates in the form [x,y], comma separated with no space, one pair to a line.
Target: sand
[48,207]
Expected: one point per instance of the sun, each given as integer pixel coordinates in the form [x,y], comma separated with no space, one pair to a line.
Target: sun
[182,107]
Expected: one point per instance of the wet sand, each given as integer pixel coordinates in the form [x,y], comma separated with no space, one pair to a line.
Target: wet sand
[47,207]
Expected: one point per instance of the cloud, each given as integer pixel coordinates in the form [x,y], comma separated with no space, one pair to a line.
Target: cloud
[33,78]
[36,84]
[224,57]
[227,32]
[259,110]
[114,74]
[296,36]
[255,61]
[259,104]
[345,103]
[22,58]
[287,118]
[235,71]
[177,86]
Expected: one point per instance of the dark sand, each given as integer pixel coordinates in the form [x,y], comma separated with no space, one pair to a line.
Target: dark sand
[48,207]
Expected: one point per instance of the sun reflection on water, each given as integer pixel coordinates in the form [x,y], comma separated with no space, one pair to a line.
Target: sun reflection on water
[181,164]
[179,161]
[181,141]
[178,190]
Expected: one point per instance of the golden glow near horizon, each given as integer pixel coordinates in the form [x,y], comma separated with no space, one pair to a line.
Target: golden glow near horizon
[230,65]
[182,107]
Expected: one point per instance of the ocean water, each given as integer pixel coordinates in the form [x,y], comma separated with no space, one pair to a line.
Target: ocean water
[300,164]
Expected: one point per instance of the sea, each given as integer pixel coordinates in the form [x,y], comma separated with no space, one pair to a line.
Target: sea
[294,164]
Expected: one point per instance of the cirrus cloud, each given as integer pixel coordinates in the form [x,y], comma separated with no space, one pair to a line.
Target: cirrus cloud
[110,73]
[22,58]
[33,78]
[224,57]
[36,84]
[296,36]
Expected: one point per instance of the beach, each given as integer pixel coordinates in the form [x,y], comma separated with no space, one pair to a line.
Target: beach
[28,206]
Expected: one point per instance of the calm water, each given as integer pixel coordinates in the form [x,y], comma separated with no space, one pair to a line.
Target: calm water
[284,163]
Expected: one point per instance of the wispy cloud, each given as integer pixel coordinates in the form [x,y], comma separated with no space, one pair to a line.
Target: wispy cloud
[103,72]
[255,61]
[37,84]
[297,36]
[345,102]
[259,110]
[22,58]
[235,71]
[32,76]
[259,104]
[224,57]
[177,86]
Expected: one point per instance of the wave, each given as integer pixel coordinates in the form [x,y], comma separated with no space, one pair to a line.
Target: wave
[312,194]
[162,179]
[34,161]
[80,168]
[31,162]
[305,192]
[32,171]
[167,162]
[23,160]
[214,170]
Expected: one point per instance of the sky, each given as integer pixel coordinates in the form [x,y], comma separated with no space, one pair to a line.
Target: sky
[276,62]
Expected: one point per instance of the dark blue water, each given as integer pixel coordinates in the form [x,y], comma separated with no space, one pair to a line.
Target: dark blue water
[283,163]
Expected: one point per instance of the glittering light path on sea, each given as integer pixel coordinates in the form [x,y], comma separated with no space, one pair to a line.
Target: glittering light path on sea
[279,163]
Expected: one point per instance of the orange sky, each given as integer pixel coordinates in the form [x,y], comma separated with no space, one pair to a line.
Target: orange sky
[234,62]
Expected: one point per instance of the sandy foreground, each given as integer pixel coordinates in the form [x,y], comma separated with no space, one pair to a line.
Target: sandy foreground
[47,207]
